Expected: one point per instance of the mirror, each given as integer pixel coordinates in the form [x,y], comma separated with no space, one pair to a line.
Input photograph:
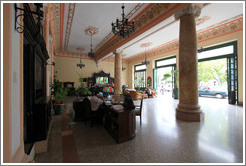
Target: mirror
[101,80]
[149,81]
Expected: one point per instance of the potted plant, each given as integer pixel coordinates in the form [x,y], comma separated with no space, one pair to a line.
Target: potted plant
[55,86]
[59,98]
[82,90]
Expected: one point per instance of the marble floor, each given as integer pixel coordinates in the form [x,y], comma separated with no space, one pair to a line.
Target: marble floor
[160,139]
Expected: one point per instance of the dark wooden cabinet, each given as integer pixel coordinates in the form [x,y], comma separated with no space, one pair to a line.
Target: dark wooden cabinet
[42,116]
[121,125]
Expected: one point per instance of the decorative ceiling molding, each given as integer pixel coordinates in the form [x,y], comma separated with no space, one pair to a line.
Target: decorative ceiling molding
[213,32]
[91,31]
[144,45]
[80,49]
[129,15]
[150,17]
[69,23]
[55,21]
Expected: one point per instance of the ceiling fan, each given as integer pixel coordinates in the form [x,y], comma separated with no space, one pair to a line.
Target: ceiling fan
[145,62]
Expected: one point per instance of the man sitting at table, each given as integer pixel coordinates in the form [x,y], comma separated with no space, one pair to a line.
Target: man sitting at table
[97,112]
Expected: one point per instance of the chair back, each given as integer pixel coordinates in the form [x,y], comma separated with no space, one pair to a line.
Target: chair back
[87,109]
[141,106]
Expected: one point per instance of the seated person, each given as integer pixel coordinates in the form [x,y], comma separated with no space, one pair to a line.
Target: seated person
[149,92]
[97,111]
[96,101]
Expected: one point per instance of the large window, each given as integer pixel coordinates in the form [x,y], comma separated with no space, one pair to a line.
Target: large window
[140,76]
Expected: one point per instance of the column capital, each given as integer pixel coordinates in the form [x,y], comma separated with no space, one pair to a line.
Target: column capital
[191,9]
[118,51]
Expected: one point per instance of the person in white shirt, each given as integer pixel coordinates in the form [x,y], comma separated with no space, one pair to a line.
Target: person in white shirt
[96,102]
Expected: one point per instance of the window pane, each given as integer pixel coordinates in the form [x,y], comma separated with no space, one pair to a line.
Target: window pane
[141,67]
[166,62]
[216,52]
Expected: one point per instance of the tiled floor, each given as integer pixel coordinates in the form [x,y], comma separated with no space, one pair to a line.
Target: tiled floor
[160,139]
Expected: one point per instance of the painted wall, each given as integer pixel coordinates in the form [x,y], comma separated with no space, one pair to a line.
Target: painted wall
[13,142]
[15,87]
[235,36]
[67,69]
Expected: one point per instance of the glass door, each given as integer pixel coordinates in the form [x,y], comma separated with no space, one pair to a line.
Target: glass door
[232,79]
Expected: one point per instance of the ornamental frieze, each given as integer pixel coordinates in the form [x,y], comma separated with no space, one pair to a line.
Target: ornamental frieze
[55,21]
[229,27]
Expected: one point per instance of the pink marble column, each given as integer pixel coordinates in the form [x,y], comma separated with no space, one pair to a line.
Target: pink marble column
[117,72]
[188,108]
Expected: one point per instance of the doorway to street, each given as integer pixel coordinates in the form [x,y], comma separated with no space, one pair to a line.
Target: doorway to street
[217,72]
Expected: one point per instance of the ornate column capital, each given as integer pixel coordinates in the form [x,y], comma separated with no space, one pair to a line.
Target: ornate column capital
[191,9]
[118,51]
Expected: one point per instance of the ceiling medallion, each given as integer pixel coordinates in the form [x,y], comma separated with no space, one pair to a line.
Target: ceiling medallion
[80,64]
[91,31]
[123,27]
[144,45]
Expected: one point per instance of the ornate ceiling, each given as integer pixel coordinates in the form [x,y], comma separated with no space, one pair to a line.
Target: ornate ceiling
[154,23]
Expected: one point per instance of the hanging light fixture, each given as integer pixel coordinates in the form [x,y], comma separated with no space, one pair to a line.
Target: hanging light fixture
[90,31]
[145,62]
[91,54]
[80,64]
[123,28]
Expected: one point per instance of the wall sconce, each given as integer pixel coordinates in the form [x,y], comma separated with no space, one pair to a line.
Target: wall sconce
[28,13]
[53,63]
[200,50]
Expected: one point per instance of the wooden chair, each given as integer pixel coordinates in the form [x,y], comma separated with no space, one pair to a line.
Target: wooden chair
[138,111]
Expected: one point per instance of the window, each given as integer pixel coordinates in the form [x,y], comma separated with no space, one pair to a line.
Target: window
[140,76]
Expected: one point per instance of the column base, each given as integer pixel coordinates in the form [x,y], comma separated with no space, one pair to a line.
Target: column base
[190,113]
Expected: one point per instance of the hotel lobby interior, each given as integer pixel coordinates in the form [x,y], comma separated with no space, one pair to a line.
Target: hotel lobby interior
[65,54]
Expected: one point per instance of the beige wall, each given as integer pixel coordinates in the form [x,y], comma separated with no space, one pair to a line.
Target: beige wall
[67,69]
[235,36]
[13,143]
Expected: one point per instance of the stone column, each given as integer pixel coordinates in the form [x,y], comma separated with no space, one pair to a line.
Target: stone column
[117,72]
[188,108]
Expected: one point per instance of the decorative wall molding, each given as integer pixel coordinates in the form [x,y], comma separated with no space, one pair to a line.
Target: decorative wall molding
[213,32]
[55,21]
[69,23]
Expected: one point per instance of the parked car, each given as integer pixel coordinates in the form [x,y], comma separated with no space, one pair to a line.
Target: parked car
[215,92]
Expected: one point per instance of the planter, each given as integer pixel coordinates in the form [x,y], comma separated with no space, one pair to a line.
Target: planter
[175,93]
[58,108]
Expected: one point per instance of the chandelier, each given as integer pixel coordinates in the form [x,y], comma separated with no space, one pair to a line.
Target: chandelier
[80,64]
[123,28]
[90,31]
[145,62]
[91,54]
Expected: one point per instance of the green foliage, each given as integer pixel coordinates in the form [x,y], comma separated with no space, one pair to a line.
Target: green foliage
[141,81]
[135,80]
[212,70]
[166,76]
[82,90]
[60,95]
[55,86]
